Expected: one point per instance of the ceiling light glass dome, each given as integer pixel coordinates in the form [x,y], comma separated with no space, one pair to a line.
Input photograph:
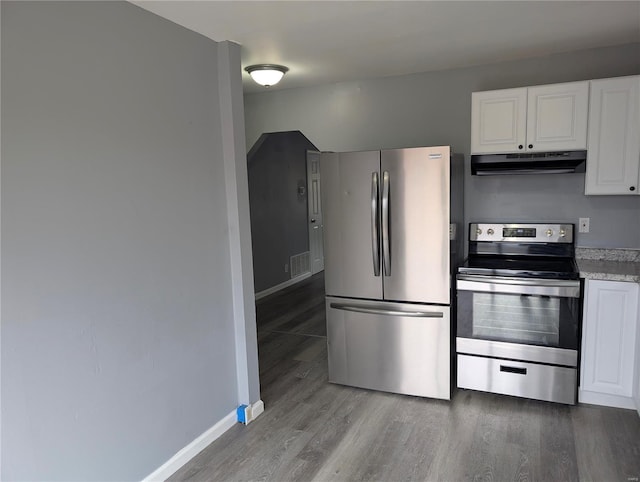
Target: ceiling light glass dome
[266,74]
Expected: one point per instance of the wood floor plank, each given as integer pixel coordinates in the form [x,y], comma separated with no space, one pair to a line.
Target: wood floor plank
[488,443]
[359,431]
[313,430]
[593,452]
[524,438]
[392,446]
[455,452]
[557,444]
[624,440]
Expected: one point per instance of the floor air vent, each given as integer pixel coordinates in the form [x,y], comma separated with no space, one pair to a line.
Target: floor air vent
[300,264]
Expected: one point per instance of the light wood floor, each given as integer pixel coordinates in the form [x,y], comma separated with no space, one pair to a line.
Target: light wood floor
[314,430]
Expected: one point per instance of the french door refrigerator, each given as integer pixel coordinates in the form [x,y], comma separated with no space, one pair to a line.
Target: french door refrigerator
[388,267]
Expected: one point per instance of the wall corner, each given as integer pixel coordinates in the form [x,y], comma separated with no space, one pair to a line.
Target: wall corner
[237,187]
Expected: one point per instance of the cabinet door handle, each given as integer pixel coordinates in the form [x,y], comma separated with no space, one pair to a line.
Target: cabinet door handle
[530,146]
[632,188]
[520,146]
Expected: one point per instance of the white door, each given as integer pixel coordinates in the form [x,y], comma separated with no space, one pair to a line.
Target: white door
[557,117]
[314,208]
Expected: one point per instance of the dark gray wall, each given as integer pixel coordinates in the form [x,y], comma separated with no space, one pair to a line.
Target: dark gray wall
[118,331]
[435,109]
[279,229]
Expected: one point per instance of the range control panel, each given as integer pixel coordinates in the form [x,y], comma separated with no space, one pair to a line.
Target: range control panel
[529,233]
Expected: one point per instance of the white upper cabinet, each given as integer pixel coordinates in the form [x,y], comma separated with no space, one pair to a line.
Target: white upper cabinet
[530,119]
[557,117]
[498,121]
[613,156]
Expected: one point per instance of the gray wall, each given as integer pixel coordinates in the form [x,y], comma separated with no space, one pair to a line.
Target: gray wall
[277,167]
[435,109]
[121,283]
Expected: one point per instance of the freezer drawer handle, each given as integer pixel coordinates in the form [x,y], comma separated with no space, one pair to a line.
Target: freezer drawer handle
[519,371]
[375,224]
[378,311]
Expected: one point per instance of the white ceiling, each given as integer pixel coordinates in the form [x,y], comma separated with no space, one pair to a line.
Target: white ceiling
[332,41]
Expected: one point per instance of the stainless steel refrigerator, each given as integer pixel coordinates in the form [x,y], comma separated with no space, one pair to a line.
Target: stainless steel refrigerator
[388,219]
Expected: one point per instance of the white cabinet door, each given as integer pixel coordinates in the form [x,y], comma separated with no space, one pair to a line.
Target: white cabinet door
[613,157]
[608,343]
[498,121]
[530,119]
[557,117]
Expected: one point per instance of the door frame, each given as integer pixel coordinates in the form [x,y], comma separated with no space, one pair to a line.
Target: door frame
[314,212]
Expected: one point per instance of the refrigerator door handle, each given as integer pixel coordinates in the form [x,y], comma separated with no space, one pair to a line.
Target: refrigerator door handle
[381,311]
[375,223]
[386,245]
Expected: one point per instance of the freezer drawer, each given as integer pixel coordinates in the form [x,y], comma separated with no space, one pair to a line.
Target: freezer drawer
[393,347]
[521,379]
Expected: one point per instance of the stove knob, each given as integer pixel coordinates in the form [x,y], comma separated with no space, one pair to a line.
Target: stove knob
[490,232]
[549,232]
[478,231]
[562,233]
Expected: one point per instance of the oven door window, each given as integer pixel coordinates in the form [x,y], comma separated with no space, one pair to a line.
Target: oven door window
[530,319]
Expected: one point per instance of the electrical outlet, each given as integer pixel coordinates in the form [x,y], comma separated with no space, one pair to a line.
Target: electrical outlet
[286,267]
[583,225]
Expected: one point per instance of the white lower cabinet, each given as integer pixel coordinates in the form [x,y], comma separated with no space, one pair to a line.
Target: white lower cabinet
[610,355]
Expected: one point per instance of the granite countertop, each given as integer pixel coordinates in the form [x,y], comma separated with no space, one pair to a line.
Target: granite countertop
[609,264]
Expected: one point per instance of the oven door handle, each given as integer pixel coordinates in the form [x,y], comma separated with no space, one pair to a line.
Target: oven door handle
[523,286]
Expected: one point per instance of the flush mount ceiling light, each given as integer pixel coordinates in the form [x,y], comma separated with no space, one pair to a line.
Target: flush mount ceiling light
[266,74]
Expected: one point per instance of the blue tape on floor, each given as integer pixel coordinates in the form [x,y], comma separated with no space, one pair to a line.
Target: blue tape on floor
[241,411]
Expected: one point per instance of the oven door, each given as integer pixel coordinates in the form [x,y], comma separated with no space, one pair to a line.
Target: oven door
[519,318]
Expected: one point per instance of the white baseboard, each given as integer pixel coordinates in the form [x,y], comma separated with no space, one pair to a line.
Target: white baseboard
[282,286]
[248,413]
[191,450]
[256,409]
[605,399]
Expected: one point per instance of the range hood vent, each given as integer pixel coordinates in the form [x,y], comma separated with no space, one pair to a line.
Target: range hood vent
[531,163]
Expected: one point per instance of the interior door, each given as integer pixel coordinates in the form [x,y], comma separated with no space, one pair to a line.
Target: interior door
[314,209]
[349,197]
[415,224]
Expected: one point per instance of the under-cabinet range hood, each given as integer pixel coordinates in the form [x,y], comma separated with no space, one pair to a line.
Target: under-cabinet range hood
[528,163]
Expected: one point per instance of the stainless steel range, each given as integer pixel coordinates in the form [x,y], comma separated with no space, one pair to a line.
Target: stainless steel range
[519,299]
